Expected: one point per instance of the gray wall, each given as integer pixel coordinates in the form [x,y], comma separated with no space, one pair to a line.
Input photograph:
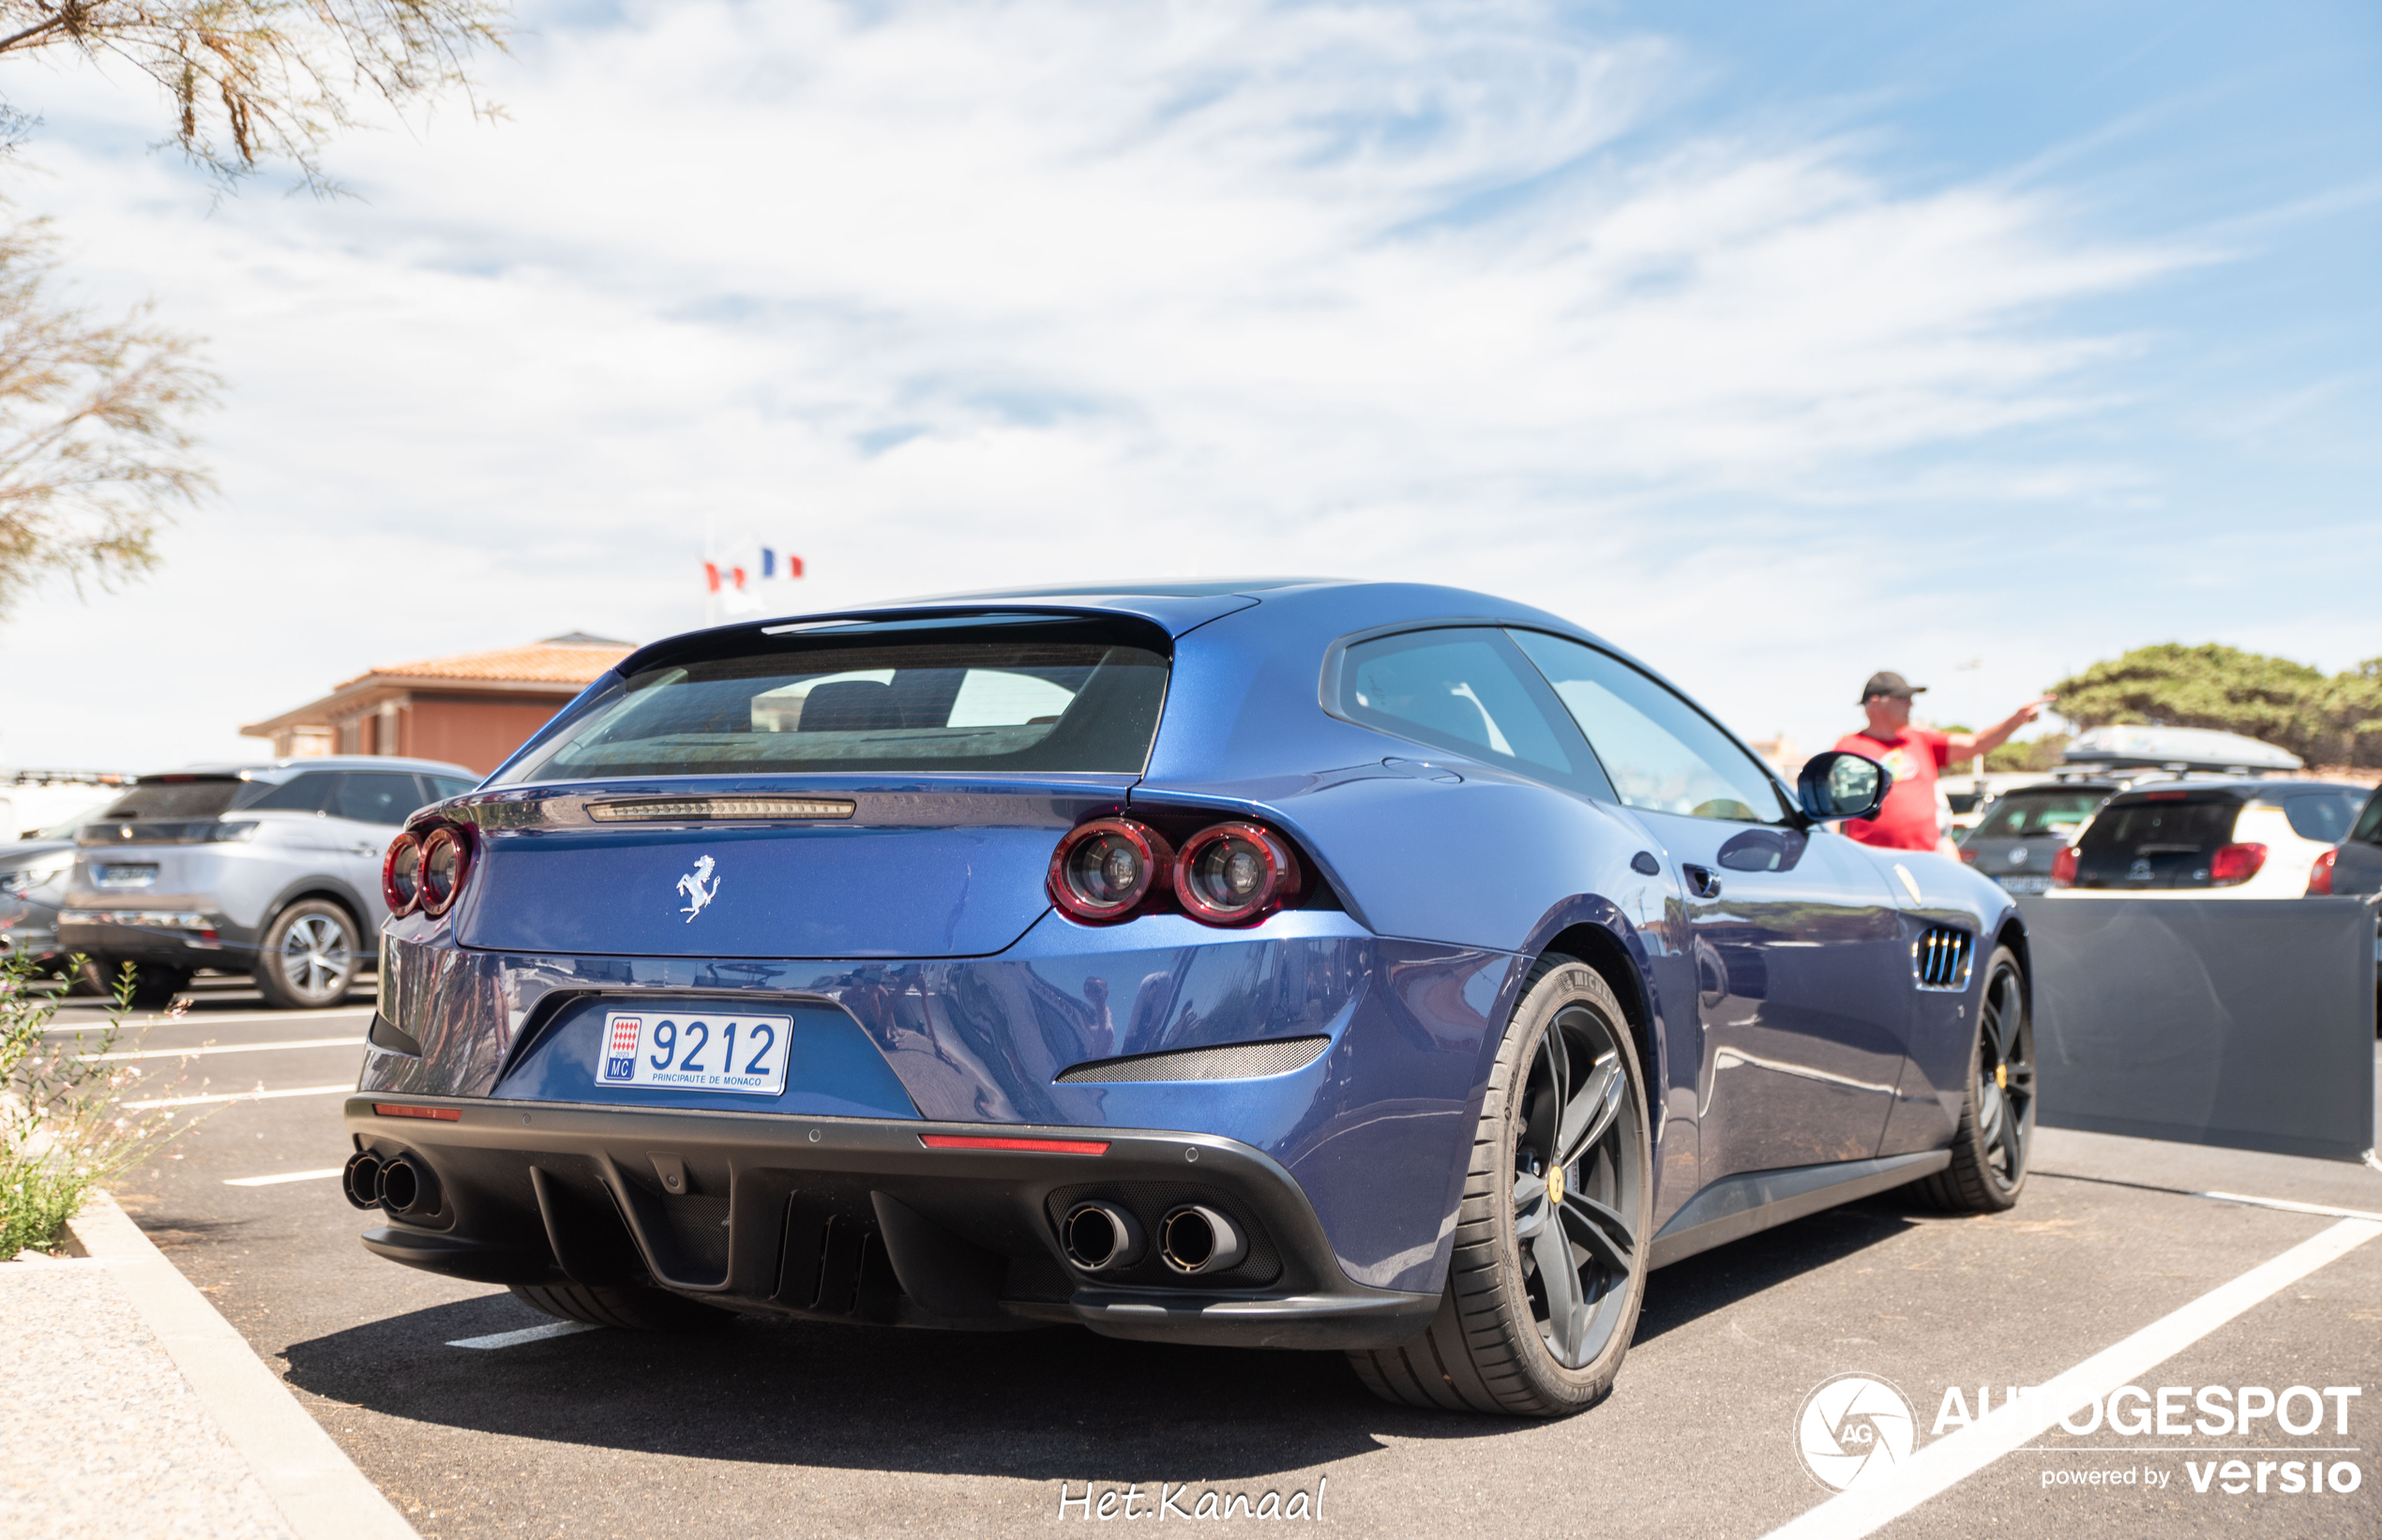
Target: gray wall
[2230,1022]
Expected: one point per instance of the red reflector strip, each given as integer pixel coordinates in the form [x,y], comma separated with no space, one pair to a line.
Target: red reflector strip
[444,1114]
[1050,1146]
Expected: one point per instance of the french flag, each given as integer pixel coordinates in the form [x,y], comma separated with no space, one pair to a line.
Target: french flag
[769,563]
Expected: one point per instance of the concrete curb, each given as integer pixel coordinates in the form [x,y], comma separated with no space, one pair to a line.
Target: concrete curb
[318,1489]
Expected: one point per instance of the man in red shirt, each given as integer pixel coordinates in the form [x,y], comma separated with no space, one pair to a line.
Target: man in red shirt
[1914,754]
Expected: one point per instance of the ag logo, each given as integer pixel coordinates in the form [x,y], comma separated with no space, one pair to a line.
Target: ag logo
[1853,1430]
[698,887]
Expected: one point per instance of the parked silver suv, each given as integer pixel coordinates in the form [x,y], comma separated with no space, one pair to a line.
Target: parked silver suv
[272,868]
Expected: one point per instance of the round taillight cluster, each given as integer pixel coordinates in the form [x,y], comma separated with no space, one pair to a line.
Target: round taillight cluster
[426,868]
[1105,868]
[1113,868]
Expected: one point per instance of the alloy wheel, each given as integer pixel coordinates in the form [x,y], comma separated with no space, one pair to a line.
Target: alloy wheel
[1575,1186]
[314,955]
[2005,1077]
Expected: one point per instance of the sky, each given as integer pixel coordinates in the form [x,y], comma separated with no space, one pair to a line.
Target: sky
[1778,344]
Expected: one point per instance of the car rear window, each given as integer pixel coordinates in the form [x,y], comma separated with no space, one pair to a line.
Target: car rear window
[190,798]
[2162,827]
[2023,815]
[1080,696]
[2325,816]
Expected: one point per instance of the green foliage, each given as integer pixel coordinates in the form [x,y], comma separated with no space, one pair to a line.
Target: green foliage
[2335,720]
[61,1131]
[2040,755]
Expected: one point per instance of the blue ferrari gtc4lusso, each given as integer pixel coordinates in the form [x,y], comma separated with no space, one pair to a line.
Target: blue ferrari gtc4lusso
[1305,964]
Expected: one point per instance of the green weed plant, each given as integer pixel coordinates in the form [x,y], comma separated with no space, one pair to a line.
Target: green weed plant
[63,1128]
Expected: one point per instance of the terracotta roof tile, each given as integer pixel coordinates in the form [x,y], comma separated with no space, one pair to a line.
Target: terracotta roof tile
[534,665]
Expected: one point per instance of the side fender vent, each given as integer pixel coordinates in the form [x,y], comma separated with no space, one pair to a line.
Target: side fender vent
[1941,957]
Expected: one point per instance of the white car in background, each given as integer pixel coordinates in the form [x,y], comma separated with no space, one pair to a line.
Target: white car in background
[2213,839]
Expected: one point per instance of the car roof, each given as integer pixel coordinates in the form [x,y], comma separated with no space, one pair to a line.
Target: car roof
[1178,607]
[2245,788]
[276,769]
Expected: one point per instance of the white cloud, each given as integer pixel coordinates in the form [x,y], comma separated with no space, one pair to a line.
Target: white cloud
[947,296]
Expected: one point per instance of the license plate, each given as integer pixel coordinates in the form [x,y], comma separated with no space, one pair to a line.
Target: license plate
[696,1052]
[129,875]
[2025,884]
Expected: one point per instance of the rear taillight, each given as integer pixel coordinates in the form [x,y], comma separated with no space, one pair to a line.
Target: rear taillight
[2320,875]
[1104,870]
[402,874]
[446,866]
[1968,856]
[2063,868]
[1120,869]
[1235,874]
[2235,863]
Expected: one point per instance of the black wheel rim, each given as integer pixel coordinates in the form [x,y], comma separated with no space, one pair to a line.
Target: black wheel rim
[2005,1077]
[1579,1242]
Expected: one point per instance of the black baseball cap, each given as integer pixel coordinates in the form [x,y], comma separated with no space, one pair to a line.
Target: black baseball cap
[1887,682]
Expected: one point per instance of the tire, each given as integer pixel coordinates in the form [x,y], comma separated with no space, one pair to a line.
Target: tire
[629,1309]
[154,985]
[307,958]
[1492,1348]
[1989,1153]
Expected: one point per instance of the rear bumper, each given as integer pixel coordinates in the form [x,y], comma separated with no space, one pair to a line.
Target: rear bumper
[863,1219]
[167,937]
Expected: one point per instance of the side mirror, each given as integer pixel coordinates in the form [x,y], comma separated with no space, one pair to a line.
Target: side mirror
[1836,785]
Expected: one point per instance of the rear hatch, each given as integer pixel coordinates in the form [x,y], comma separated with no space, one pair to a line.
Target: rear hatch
[2023,831]
[2154,840]
[149,847]
[867,791]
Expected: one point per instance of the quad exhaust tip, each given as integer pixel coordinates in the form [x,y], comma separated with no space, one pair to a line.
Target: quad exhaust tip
[1196,1239]
[1099,1237]
[361,1180]
[401,1184]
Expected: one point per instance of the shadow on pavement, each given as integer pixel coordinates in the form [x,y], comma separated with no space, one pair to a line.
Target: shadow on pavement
[1056,1403]
[1688,1291]
[1044,1405]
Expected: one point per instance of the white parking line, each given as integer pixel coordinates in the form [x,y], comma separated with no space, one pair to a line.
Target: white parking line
[2285,1204]
[1960,1455]
[225,1048]
[527,1334]
[279,1177]
[340,1090]
[203,1018]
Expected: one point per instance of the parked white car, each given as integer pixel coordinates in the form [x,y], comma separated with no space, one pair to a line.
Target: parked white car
[2234,839]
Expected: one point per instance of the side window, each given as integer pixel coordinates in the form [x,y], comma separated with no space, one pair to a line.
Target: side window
[1662,753]
[2369,827]
[1456,689]
[376,797]
[2320,816]
[443,787]
[307,793]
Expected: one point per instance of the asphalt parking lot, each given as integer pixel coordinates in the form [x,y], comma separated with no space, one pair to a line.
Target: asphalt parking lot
[776,1429]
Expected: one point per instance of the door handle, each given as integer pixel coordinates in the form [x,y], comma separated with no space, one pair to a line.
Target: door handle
[1702,881]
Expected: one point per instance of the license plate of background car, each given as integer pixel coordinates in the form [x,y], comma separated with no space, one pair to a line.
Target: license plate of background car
[2026,884]
[129,875]
[694,1050]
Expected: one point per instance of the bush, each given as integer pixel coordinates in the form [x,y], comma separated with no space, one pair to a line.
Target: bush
[61,1131]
